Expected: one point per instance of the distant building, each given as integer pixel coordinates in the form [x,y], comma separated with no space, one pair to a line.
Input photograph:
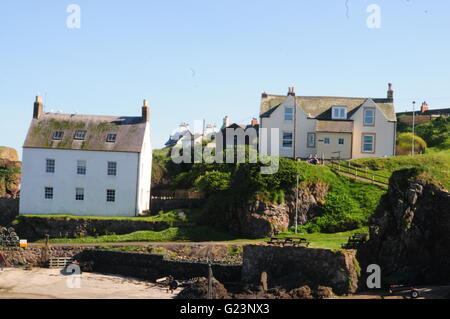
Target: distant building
[239,134]
[183,136]
[86,164]
[422,116]
[344,127]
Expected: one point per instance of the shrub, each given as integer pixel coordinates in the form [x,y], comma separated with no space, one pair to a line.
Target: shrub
[404,143]
[213,182]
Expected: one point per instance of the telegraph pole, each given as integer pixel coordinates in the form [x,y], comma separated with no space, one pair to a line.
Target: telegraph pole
[413,127]
[296,204]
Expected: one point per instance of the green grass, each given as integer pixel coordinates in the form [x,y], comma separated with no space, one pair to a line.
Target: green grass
[207,234]
[437,163]
[173,234]
[328,241]
[170,216]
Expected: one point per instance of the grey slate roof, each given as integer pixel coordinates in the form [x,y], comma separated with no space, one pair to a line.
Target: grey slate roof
[129,132]
[319,107]
[334,126]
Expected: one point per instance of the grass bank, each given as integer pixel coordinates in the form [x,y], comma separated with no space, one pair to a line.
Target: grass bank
[208,234]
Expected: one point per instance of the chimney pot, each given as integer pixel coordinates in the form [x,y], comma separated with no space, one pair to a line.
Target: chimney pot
[38,108]
[291,91]
[254,121]
[390,93]
[424,107]
[145,112]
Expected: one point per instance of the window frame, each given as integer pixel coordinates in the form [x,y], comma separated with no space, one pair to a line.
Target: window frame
[373,116]
[339,108]
[283,139]
[325,139]
[286,113]
[79,135]
[373,135]
[57,135]
[110,195]
[111,140]
[81,170]
[314,140]
[50,169]
[49,193]
[341,139]
[111,171]
[79,196]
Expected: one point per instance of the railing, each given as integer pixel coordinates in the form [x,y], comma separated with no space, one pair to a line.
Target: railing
[348,167]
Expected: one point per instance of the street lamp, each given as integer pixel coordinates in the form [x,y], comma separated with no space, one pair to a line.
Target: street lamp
[413,127]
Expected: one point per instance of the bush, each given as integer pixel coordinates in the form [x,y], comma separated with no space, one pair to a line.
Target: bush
[213,182]
[404,144]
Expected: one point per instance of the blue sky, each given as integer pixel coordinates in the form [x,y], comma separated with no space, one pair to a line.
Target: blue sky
[204,59]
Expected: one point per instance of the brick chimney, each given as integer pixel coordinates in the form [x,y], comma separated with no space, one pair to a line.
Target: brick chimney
[291,91]
[145,112]
[424,107]
[254,122]
[390,93]
[38,109]
[264,95]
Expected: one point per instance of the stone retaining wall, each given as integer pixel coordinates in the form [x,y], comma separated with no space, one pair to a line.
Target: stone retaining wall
[138,265]
[151,267]
[293,267]
[9,209]
[35,228]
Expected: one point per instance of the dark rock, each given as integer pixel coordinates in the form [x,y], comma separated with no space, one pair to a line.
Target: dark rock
[323,292]
[410,231]
[303,292]
[198,289]
[256,219]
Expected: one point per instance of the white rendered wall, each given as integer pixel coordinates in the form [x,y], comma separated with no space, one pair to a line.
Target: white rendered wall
[383,129]
[65,180]
[145,173]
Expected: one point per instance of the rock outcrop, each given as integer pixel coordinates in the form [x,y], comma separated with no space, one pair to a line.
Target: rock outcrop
[9,178]
[257,219]
[9,153]
[293,267]
[410,231]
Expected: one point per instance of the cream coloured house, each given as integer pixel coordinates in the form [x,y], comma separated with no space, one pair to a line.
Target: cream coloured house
[332,127]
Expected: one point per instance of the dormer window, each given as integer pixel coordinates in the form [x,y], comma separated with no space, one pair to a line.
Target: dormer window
[79,135]
[111,138]
[58,135]
[339,113]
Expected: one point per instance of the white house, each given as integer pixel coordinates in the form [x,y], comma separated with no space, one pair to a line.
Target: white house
[86,165]
[332,127]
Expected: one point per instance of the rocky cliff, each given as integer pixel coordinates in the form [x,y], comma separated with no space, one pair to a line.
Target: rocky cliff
[410,231]
[10,169]
[257,218]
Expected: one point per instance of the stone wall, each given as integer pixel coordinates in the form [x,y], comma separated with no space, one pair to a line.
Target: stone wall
[9,209]
[293,267]
[158,204]
[34,228]
[37,256]
[151,267]
[138,265]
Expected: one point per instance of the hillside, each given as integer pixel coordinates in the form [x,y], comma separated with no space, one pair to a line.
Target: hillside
[436,162]
[241,200]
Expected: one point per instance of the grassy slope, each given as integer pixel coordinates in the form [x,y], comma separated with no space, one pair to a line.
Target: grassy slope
[437,163]
[205,234]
